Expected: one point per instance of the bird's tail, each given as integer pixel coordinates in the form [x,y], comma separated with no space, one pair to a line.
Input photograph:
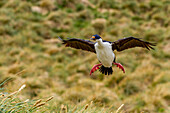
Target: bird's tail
[106,70]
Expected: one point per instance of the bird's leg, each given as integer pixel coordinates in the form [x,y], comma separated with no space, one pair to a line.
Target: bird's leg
[119,66]
[95,67]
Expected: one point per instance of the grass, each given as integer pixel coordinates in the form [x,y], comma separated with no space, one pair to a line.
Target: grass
[10,103]
[31,54]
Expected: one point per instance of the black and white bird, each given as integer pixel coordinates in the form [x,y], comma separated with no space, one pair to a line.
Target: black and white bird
[104,50]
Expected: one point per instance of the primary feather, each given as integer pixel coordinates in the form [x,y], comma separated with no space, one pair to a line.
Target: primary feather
[131,42]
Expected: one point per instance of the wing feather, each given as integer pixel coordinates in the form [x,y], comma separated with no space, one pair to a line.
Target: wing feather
[79,44]
[131,42]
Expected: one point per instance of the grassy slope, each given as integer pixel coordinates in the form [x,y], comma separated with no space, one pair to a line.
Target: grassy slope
[28,41]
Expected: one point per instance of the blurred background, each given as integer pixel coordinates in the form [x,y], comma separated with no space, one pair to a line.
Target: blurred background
[31,53]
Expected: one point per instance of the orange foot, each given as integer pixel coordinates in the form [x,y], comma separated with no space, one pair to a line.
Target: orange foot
[120,66]
[95,67]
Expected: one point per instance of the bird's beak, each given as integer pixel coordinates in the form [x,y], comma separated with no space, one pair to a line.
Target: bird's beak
[92,38]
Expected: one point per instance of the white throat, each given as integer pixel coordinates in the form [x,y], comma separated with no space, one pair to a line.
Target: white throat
[100,42]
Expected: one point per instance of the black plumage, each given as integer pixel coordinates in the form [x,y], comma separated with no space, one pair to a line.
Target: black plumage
[79,44]
[106,70]
[131,42]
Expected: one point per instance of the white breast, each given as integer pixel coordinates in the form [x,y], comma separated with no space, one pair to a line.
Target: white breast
[104,53]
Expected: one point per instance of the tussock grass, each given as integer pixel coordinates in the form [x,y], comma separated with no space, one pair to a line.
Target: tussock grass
[12,103]
[31,54]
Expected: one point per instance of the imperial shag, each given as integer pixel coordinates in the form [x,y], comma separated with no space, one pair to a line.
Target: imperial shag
[104,50]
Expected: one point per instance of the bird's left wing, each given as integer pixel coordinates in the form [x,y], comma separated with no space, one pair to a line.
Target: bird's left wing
[79,44]
[131,42]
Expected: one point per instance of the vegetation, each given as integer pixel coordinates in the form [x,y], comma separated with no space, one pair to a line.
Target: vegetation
[9,103]
[31,54]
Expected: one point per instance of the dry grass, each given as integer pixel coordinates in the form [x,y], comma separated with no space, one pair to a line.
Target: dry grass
[31,54]
[12,103]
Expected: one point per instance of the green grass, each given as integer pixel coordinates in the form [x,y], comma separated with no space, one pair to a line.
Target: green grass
[29,46]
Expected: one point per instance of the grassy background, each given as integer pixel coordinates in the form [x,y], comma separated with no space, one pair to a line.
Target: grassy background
[29,46]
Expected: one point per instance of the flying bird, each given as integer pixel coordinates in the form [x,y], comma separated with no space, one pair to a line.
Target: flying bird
[104,50]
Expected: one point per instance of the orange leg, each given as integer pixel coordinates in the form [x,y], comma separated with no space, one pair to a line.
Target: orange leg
[95,67]
[119,66]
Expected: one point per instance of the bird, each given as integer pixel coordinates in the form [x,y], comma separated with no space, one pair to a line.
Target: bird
[105,50]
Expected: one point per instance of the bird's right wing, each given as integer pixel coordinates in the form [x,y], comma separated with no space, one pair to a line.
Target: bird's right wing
[79,44]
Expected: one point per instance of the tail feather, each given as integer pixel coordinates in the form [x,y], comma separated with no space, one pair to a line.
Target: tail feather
[106,70]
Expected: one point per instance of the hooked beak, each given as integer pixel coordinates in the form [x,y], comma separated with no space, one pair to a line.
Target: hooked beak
[92,38]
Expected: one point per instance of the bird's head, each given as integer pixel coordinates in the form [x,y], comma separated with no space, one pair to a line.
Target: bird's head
[95,37]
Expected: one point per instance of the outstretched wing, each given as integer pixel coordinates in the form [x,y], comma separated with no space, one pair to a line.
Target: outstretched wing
[79,44]
[131,42]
